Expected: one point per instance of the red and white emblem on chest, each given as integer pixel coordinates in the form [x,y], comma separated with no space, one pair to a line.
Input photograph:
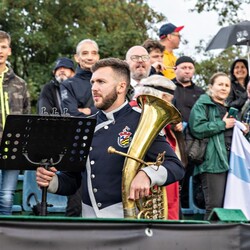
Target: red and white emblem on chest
[124,138]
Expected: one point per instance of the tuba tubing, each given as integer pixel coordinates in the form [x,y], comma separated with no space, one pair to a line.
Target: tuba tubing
[156,114]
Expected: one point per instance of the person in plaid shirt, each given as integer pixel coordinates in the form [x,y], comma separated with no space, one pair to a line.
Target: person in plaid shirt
[245,114]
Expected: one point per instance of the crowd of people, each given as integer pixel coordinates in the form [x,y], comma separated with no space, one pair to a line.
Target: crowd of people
[106,89]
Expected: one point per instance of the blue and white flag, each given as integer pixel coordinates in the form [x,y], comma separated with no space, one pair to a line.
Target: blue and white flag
[237,195]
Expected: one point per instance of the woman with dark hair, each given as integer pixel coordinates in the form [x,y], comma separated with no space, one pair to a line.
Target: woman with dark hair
[239,79]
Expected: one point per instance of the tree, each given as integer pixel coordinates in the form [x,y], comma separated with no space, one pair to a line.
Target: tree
[227,9]
[43,30]
[212,64]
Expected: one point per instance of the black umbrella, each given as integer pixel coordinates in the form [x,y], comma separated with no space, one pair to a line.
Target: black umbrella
[236,34]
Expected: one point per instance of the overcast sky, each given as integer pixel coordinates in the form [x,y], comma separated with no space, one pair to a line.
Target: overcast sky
[197,26]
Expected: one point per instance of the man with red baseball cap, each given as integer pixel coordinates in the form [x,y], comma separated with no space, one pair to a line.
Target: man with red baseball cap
[170,38]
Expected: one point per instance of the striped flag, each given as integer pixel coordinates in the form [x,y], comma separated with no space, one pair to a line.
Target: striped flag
[237,195]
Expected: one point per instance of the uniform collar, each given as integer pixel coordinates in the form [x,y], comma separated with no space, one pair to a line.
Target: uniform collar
[112,115]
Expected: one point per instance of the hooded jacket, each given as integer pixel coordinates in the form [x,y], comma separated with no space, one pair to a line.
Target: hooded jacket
[205,122]
[18,95]
[50,98]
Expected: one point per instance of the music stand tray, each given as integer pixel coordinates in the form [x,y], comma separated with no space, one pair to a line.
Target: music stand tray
[30,141]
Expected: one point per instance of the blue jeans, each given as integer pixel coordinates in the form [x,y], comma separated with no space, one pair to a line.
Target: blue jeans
[8,183]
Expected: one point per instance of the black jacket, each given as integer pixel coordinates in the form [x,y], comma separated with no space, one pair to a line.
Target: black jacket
[49,101]
[76,93]
[185,98]
[238,94]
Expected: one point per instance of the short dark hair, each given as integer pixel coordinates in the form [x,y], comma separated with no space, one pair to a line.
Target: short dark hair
[151,45]
[5,35]
[120,67]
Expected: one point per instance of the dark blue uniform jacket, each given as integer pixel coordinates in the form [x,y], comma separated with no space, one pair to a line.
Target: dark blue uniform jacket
[105,170]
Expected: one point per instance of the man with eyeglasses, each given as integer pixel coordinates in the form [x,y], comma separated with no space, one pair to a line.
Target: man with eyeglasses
[138,60]
[170,38]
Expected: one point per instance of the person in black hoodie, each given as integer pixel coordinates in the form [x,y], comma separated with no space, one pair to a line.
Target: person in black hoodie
[239,79]
[76,91]
[49,102]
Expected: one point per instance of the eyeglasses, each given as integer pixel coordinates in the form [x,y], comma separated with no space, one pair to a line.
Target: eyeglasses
[176,34]
[136,58]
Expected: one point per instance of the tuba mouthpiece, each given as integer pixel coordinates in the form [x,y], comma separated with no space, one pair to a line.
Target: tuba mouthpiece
[111,150]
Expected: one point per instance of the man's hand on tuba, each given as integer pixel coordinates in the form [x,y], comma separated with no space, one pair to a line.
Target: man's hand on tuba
[140,186]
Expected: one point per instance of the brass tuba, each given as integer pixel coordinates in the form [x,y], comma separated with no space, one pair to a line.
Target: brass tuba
[156,114]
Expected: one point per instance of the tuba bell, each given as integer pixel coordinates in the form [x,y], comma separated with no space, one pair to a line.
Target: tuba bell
[156,114]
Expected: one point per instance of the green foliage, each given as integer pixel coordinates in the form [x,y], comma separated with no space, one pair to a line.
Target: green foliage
[212,64]
[43,30]
[227,9]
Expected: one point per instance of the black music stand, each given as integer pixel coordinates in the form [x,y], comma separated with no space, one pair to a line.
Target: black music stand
[30,141]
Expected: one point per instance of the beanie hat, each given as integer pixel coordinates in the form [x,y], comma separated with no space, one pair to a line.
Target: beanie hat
[167,29]
[64,62]
[184,59]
